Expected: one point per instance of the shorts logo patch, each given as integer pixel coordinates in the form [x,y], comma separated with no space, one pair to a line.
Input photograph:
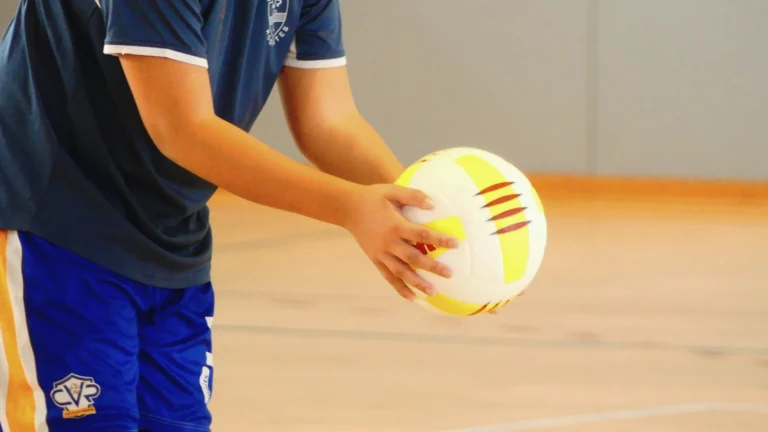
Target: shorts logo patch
[76,394]
[205,384]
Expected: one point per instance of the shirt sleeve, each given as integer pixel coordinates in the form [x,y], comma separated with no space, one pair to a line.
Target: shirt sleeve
[159,28]
[317,42]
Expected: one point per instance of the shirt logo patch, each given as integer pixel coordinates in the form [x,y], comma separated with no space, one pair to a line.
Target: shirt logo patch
[278,15]
[76,394]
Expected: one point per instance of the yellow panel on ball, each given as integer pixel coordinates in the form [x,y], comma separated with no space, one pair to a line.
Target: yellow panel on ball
[450,226]
[452,306]
[406,177]
[446,304]
[501,197]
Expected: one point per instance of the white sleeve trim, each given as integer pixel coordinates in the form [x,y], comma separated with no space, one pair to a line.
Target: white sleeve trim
[315,64]
[292,61]
[155,52]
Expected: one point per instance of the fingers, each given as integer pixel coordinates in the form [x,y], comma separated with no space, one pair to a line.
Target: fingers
[415,259]
[414,232]
[404,273]
[409,197]
[399,286]
[421,234]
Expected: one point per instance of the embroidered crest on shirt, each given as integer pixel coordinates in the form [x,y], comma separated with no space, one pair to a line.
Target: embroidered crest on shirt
[278,14]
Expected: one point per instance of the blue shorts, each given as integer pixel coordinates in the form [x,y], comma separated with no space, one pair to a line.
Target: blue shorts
[84,349]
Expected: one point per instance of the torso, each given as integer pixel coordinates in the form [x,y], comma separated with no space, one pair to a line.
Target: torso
[76,164]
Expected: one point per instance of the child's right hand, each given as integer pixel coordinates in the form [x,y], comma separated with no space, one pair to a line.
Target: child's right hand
[376,222]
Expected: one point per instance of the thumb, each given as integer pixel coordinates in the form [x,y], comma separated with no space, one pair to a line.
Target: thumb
[409,197]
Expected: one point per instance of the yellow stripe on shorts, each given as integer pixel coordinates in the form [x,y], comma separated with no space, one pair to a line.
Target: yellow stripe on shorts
[19,409]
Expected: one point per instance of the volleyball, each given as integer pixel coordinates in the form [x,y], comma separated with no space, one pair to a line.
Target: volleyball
[493,210]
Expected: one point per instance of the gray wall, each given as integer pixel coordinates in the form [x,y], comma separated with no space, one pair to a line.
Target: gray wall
[683,88]
[633,87]
[504,75]
[7,10]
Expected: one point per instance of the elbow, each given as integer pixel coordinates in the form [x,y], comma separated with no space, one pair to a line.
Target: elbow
[164,134]
[160,133]
[171,137]
[306,134]
[318,132]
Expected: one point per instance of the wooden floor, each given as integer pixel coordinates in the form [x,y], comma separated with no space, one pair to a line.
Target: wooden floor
[647,315]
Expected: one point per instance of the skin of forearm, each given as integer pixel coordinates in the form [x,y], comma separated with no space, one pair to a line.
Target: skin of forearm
[350,148]
[243,165]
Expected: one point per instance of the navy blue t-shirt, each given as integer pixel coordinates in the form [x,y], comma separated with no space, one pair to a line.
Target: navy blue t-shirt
[77,166]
